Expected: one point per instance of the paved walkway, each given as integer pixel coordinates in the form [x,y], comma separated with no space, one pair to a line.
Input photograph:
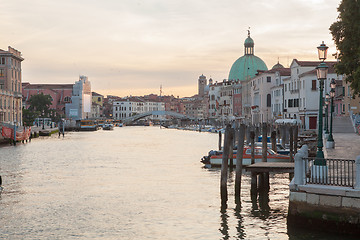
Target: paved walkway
[347,146]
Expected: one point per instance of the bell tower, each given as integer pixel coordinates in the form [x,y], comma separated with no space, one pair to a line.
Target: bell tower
[201,85]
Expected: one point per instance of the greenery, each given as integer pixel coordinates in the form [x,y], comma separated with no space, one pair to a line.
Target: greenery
[29,116]
[39,107]
[40,103]
[346,34]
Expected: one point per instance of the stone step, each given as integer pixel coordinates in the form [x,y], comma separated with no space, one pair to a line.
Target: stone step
[342,124]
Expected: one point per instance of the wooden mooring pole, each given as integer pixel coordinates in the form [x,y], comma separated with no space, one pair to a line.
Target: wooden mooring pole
[220,140]
[252,142]
[273,140]
[224,166]
[291,133]
[264,177]
[239,158]
[231,148]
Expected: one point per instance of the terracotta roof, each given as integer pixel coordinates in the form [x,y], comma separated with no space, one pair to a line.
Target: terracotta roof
[282,71]
[313,72]
[97,94]
[46,86]
[311,63]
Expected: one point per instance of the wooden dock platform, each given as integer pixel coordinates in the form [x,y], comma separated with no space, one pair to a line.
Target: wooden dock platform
[267,167]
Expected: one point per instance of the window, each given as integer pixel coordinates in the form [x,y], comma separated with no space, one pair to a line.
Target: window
[268,100]
[2,72]
[99,99]
[313,85]
[285,88]
[290,103]
[268,79]
[2,62]
[67,99]
[296,102]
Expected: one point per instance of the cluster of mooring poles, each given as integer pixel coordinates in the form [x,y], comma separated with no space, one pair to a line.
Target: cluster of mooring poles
[237,136]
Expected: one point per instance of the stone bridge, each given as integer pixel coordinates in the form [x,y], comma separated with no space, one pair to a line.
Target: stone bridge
[146,114]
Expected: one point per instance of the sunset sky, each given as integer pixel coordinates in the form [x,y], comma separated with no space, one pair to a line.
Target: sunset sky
[131,47]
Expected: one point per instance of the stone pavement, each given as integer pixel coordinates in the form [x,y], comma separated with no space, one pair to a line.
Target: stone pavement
[347,146]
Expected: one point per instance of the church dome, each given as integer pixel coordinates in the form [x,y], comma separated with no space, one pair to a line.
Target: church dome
[248,65]
[278,65]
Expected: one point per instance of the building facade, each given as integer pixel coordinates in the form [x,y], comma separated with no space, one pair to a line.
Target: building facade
[59,93]
[81,100]
[128,107]
[10,86]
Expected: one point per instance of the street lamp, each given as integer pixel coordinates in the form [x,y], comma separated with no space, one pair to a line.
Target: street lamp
[43,120]
[327,102]
[330,141]
[321,72]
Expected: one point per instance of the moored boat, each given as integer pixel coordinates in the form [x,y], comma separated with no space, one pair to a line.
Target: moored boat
[216,160]
[108,126]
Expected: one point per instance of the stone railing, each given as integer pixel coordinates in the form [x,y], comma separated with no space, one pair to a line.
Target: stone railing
[330,172]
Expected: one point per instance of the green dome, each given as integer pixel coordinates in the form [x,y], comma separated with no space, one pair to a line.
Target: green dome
[246,67]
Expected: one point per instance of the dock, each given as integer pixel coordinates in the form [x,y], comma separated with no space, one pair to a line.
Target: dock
[271,167]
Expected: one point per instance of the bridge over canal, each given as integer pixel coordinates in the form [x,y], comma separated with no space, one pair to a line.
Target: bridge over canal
[146,114]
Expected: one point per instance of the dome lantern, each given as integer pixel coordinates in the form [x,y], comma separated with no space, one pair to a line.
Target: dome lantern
[249,45]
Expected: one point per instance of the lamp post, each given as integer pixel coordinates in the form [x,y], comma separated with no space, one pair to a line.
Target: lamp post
[321,72]
[43,120]
[305,118]
[327,102]
[330,141]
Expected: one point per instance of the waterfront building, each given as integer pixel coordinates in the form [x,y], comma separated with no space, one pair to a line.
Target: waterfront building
[226,101]
[277,91]
[214,101]
[237,100]
[81,100]
[10,86]
[127,107]
[301,91]
[97,105]
[262,93]
[59,93]
[195,107]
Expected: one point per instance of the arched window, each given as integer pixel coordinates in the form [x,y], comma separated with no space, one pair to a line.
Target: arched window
[268,100]
[67,99]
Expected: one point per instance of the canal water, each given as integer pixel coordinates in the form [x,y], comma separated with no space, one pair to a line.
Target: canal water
[132,183]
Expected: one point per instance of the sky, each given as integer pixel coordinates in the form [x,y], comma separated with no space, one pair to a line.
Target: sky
[132,47]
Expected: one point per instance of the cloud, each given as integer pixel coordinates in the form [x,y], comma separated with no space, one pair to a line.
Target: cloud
[139,44]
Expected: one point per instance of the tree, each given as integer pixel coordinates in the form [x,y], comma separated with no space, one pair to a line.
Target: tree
[346,34]
[29,116]
[40,103]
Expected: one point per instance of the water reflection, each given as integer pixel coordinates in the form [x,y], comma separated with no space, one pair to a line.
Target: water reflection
[240,227]
[224,228]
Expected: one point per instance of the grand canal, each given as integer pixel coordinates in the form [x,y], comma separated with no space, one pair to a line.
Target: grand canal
[131,183]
